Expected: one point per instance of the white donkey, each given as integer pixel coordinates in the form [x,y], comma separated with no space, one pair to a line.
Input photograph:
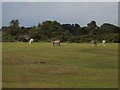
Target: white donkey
[31,40]
[103,42]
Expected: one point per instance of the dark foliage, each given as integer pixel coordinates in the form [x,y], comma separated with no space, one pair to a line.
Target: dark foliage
[50,30]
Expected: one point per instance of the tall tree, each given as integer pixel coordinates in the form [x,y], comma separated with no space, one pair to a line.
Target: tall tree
[92,27]
[14,24]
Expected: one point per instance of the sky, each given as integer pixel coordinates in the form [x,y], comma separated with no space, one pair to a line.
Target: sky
[30,13]
[0,14]
[60,0]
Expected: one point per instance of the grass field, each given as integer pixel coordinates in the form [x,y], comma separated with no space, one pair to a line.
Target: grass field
[77,65]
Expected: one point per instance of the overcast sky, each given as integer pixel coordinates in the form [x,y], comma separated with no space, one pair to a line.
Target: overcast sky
[30,13]
[60,0]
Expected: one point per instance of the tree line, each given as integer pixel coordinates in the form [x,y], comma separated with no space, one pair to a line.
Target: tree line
[51,30]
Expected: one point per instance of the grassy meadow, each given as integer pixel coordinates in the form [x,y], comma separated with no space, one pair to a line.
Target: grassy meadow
[77,65]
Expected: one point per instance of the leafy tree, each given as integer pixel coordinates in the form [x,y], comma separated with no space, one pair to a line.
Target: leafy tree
[93,28]
[14,24]
[49,30]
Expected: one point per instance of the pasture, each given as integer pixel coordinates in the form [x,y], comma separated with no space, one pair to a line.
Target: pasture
[42,65]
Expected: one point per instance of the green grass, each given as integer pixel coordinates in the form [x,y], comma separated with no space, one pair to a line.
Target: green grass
[76,65]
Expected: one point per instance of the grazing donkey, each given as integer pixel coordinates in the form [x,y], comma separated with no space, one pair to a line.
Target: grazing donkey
[103,42]
[31,40]
[56,42]
[94,43]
